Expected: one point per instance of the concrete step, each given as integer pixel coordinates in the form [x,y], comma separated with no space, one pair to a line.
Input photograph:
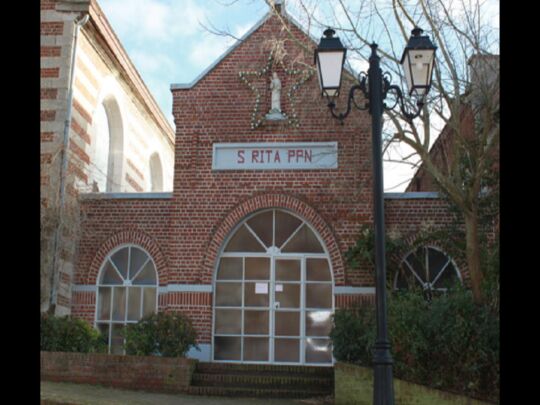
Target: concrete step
[281,380]
[256,392]
[262,369]
[262,380]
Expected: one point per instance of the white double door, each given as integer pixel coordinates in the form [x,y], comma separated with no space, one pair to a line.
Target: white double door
[273,309]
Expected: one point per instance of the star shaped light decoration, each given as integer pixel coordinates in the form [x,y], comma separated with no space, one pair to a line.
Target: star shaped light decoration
[276,55]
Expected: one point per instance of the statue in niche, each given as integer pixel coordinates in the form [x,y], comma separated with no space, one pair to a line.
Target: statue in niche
[275,109]
[275,86]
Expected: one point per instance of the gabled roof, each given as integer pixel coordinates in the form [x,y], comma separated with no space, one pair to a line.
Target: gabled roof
[287,16]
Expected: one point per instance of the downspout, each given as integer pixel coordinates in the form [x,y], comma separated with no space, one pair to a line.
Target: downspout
[63,169]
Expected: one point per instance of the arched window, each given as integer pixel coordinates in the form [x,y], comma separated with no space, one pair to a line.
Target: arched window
[156,173]
[127,291]
[273,296]
[428,268]
[108,147]
[101,139]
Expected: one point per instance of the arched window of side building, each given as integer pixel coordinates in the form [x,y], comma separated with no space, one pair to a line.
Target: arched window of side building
[100,155]
[429,269]
[156,173]
[107,147]
[127,291]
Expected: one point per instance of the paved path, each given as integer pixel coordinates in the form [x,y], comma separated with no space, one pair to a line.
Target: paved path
[84,394]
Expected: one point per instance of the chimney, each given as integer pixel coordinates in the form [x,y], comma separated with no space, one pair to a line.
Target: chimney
[280,6]
[484,75]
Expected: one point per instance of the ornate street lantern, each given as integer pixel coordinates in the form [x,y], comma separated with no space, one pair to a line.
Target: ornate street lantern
[330,57]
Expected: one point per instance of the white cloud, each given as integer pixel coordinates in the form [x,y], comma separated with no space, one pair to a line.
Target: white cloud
[210,47]
[158,20]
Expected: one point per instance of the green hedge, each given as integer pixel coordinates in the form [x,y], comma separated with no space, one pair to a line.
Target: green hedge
[67,334]
[451,343]
[165,334]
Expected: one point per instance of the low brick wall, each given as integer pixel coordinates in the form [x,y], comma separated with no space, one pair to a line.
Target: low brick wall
[353,385]
[149,373]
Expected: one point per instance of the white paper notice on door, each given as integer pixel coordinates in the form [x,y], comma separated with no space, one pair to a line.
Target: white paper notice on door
[261,288]
[279,287]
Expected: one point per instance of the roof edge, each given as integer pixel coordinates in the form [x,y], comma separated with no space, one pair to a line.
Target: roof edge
[285,14]
[106,31]
[412,195]
[185,86]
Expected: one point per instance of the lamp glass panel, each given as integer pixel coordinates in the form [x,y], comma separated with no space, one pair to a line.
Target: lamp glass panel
[330,64]
[419,74]
[331,92]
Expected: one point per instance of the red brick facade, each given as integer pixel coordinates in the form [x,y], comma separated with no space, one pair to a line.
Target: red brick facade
[184,232]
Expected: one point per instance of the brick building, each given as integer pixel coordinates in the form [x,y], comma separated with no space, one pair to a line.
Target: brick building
[269,193]
[484,78]
[101,130]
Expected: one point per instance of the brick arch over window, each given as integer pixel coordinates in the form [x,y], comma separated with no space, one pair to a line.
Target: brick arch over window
[277,201]
[129,237]
[460,262]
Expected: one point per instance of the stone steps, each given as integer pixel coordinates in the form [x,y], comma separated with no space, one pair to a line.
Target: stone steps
[262,380]
[254,392]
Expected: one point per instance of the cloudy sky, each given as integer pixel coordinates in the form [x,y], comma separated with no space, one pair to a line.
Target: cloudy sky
[168,44]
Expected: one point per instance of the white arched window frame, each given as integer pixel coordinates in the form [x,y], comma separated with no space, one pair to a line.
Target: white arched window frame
[100,133]
[127,290]
[273,303]
[428,267]
[156,173]
[116,144]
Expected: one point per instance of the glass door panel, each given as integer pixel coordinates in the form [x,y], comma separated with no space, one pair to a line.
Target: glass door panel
[287,350]
[273,293]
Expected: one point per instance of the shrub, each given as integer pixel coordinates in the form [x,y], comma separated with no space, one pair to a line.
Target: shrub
[67,334]
[450,343]
[165,334]
[353,335]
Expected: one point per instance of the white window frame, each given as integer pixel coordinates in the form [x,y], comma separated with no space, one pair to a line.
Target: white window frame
[273,254]
[127,285]
[424,284]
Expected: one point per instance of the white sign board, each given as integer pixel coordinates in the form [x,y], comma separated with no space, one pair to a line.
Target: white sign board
[272,156]
[261,288]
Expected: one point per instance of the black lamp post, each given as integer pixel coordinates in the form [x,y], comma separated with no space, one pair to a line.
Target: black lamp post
[417,61]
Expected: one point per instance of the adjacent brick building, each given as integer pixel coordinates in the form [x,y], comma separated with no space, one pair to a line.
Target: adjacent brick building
[250,243]
[101,130]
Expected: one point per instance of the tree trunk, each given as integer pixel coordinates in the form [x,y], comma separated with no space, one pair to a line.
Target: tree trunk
[473,255]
